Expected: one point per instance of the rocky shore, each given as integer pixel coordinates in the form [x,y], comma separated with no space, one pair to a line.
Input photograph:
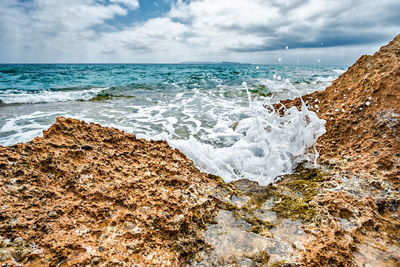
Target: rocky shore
[84,194]
[360,154]
[88,195]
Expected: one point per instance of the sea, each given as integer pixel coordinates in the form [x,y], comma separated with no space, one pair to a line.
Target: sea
[219,115]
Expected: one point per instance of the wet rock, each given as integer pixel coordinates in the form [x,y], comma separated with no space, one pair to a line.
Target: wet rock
[260,226]
[379,128]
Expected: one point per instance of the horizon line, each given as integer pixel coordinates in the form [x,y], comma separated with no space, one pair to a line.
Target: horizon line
[176,63]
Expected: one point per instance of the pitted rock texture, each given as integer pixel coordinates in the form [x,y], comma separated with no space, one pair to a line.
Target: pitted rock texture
[358,222]
[362,113]
[83,194]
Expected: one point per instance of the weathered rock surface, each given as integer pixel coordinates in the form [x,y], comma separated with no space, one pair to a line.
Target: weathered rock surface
[88,195]
[347,213]
[362,113]
[84,194]
[358,218]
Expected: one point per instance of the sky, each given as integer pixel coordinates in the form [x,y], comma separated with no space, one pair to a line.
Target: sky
[327,32]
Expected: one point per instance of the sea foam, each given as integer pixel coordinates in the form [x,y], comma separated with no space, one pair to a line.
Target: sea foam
[269,144]
[47,96]
[203,111]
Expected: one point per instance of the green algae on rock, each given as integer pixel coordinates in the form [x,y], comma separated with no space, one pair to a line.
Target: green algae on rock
[295,193]
[254,227]
[107,96]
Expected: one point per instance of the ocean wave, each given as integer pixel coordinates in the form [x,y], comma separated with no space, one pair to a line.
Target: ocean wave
[48,96]
[269,145]
[205,113]
[224,136]
[82,93]
[236,139]
[325,79]
[339,71]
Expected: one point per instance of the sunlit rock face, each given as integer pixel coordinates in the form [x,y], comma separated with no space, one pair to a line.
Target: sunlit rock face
[358,205]
[362,113]
[84,194]
[346,213]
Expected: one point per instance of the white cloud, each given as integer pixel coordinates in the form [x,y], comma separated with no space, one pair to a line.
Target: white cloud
[158,34]
[131,4]
[231,29]
[204,30]
[49,30]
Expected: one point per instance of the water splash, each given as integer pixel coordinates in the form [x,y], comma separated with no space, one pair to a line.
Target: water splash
[206,107]
[269,145]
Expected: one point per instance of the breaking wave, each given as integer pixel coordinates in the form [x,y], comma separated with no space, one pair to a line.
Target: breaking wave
[226,128]
[268,144]
[48,96]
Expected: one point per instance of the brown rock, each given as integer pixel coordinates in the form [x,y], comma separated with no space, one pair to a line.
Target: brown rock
[372,89]
[91,191]
[84,194]
[358,215]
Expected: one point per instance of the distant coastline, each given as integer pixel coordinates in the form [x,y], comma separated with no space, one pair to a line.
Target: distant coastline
[213,63]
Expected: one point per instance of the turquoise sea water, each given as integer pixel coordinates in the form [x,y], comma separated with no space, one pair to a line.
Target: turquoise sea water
[203,110]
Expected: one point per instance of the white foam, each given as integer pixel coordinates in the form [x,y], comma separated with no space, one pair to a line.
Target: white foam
[338,71]
[228,137]
[284,88]
[217,129]
[25,127]
[325,79]
[48,96]
[269,145]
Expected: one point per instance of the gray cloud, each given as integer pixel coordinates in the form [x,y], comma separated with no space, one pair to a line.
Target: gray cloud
[204,30]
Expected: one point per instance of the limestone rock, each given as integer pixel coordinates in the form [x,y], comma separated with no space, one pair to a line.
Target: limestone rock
[369,128]
[86,194]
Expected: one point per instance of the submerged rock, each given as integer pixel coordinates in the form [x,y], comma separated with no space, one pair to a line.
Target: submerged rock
[258,226]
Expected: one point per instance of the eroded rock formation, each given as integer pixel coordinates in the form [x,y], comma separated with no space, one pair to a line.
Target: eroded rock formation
[362,113]
[83,194]
[358,205]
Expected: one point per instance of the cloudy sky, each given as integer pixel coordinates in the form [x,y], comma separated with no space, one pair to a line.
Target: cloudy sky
[162,31]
